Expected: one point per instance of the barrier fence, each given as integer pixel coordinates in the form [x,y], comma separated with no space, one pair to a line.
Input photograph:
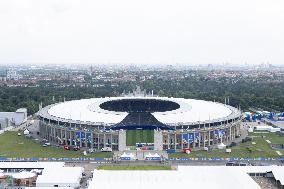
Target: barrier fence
[57,159]
[170,159]
[227,159]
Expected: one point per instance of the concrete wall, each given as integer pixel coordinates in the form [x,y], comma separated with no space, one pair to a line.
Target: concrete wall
[122,140]
[158,140]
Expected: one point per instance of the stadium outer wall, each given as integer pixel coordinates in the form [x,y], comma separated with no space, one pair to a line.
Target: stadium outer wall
[97,137]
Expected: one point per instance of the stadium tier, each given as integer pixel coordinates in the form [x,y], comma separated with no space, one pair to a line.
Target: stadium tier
[176,123]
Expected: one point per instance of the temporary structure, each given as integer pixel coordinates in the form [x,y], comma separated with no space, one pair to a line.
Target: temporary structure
[26,132]
[125,156]
[221,146]
[23,175]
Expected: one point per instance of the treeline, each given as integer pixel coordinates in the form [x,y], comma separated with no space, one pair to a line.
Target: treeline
[268,96]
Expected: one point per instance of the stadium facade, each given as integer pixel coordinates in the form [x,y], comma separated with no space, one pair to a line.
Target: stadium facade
[176,123]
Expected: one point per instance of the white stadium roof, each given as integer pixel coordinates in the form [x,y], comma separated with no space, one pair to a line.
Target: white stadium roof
[213,177]
[191,111]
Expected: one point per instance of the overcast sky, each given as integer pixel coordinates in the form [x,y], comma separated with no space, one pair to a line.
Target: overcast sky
[145,31]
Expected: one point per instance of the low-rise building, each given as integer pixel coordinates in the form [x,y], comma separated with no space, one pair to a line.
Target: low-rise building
[39,175]
[16,118]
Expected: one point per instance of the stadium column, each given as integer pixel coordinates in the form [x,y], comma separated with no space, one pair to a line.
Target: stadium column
[46,130]
[158,140]
[168,140]
[51,132]
[230,132]
[235,131]
[53,135]
[121,140]
[204,137]
[175,141]
[92,140]
[239,128]
[104,140]
[61,134]
[86,141]
[80,139]
[209,137]
[111,140]
[227,134]
[65,138]
[199,139]
[98,145]
[70,138]
[187,142]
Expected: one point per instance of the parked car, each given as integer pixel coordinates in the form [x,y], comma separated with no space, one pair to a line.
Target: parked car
[66,147]
[106,149]
[76,148]
[186,150]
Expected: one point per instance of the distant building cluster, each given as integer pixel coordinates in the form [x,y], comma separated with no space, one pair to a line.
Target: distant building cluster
[13,75]
[96,76]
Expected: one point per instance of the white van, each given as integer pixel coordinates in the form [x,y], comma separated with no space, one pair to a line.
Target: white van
[106,149]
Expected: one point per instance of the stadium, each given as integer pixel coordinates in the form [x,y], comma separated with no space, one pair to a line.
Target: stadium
[139,119]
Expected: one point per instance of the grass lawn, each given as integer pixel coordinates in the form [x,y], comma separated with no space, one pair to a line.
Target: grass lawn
[12,146]
[243,150]
[107,167]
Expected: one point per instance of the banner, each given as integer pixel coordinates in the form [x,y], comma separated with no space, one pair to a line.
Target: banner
[188,137]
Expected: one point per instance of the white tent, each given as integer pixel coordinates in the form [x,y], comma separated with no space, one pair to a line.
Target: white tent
[26,132]
[221,146]
[131,155]
[149,155]
[231,177]
[62,177]
[37,171]
[125,155]
[156,155]
[250,130]
[23,175]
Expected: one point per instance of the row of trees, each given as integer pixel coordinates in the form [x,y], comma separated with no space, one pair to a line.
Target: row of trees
[268,96]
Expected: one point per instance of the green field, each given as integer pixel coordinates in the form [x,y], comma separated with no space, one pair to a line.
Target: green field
[12,146]
[243,150]
[107,167]
[139,136]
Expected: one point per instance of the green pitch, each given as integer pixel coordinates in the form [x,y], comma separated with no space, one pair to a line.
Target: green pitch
[139,136]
